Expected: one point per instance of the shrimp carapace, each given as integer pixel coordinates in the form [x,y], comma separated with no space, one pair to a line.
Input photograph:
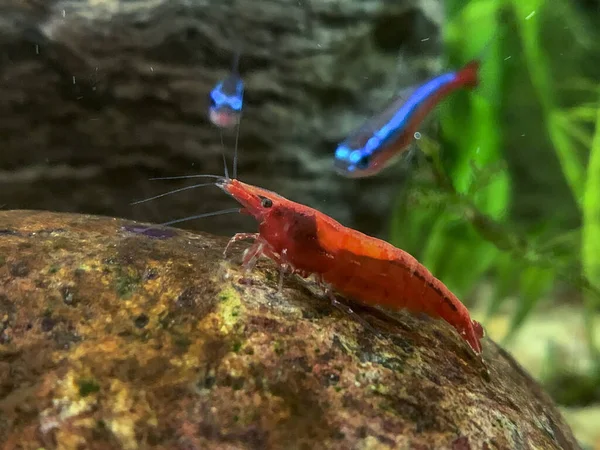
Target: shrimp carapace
[359,266]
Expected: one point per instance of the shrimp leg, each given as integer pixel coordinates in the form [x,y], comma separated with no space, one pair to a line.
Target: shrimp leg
[258,249]
[284,266]
[251,254]
[346,309]
[239,237]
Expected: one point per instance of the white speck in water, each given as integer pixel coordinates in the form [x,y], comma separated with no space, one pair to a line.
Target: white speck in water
[424,39]
[73,79]
[151,69]
[64,13]
[507,58]
[531,14]
[522,135]
[417,135]
[319,45]
[37,49]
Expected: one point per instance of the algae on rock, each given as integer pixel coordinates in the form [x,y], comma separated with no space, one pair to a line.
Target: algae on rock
[111,337]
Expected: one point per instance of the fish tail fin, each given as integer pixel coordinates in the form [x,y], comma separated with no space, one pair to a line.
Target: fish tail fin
[470,73]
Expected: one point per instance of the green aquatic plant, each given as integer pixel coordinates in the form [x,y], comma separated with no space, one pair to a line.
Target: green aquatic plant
[569,132]
[526,265]
[562,131]
[471,137]
[591,229]
[455,219]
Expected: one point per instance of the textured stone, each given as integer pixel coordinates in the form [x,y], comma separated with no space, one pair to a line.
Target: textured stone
[98,96]
[112,337]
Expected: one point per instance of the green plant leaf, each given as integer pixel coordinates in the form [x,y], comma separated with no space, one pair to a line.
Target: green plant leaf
[528,13]
[591,233]
[505,276]
[534,283]
[583,113]
[573,130]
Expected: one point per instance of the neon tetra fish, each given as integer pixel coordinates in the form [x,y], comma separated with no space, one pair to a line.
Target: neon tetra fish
[227,102]
[377,143]
[227,98]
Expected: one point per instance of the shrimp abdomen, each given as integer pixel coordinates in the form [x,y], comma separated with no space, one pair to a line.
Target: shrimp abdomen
[392,278]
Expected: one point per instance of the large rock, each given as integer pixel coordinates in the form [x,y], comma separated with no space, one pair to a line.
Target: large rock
[115,336]
[98,96]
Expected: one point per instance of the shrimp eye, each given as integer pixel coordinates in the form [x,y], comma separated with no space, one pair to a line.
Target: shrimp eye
[266,202]
[364,162]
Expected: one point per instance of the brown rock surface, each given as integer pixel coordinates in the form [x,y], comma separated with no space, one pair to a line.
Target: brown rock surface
[111,338]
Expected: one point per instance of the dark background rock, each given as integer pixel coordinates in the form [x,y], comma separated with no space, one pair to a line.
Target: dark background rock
[112,338]
[97,97]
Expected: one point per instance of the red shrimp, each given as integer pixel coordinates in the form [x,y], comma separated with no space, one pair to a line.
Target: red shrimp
[366,269]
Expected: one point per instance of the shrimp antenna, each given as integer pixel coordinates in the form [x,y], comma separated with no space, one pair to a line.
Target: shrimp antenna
[181,177]
[235,69]
[235,149]
[227,101]
[200,216]
[224,158]
[235,38]
[172,192]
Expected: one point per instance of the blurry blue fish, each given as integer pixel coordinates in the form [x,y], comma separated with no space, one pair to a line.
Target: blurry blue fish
[386,136]
[226,104]
[227,98]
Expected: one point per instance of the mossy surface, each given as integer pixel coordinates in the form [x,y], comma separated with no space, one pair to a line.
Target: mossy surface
[111,338]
